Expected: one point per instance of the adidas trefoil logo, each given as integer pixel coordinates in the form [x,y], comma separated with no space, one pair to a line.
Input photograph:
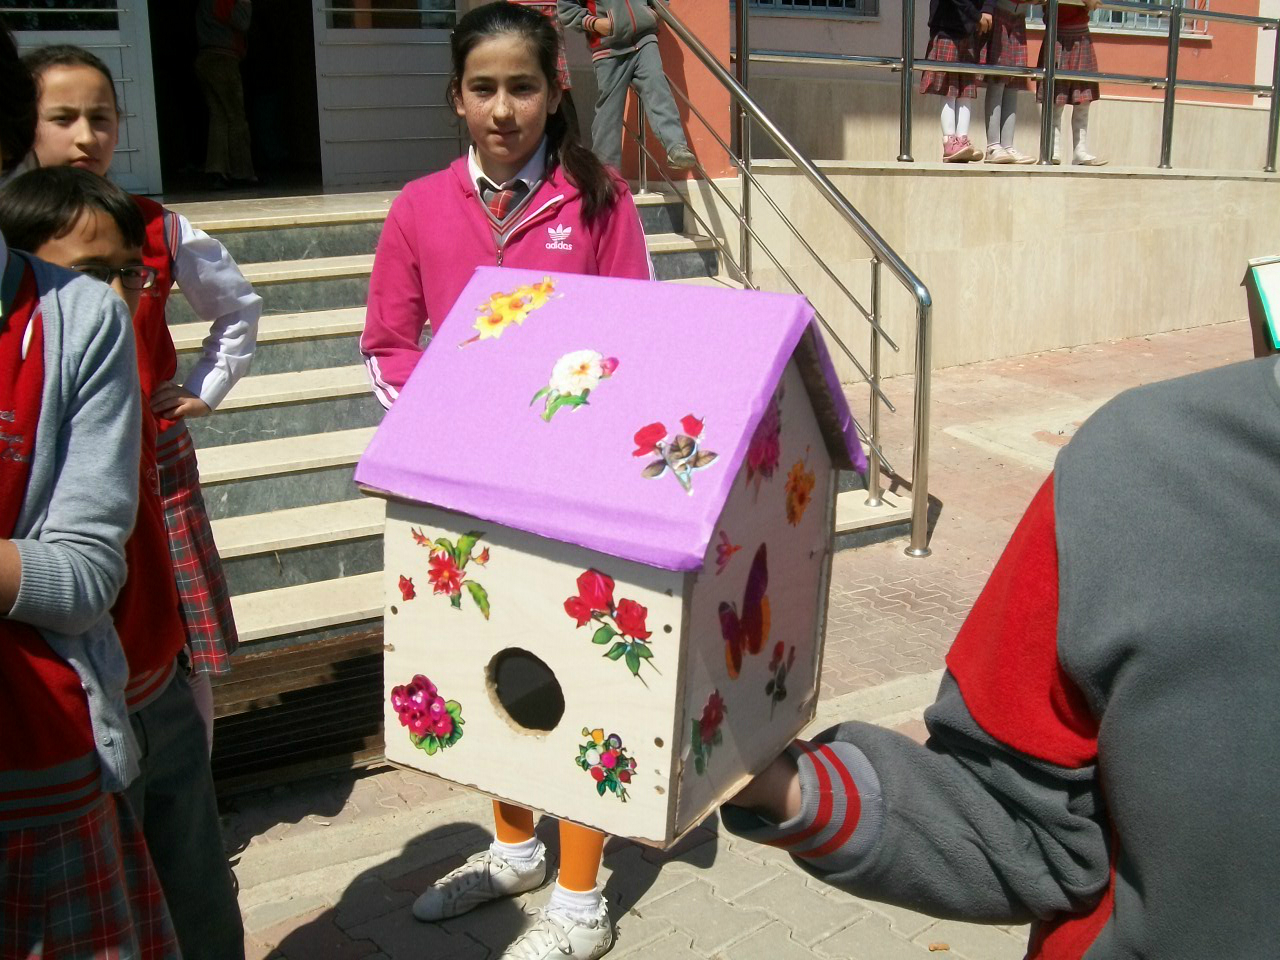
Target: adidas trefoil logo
[559,237]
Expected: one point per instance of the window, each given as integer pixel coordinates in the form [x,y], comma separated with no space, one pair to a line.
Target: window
[842,8]
[1154,22]
[47,15]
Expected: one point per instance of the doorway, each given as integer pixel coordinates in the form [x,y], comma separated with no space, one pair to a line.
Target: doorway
[280,99]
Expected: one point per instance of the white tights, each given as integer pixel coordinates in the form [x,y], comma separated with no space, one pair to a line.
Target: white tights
[955,117]
[1079,129]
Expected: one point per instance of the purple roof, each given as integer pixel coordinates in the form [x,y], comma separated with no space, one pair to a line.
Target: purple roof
[464,435]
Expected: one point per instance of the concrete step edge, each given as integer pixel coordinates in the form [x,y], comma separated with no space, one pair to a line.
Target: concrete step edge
[299,386]
[853,514]
[281,327]
[324,523]
[309,606]
[283,455]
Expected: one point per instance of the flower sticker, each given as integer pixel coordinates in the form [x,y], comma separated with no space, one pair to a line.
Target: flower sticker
[622,624]
[800,481]
[573,378]
[447,564]
[705,731]
[434,723]
[407,589]
[724,552]
[765,448]
[681,456]
[606,760]
[776,689]
[502,310]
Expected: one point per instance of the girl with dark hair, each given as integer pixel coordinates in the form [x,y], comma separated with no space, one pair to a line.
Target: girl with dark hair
[75,876]
[529,194]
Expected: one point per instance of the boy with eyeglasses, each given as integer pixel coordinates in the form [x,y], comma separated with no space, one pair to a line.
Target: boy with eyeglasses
[77,219]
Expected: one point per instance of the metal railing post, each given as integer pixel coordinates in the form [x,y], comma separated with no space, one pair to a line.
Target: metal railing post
[1050,73]
[644,156]
[908,80]
[873,415]
[919,546]
[1170,84]
[743,9]
[1274,120]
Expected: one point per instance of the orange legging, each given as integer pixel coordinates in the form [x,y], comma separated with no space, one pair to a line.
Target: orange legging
[581,848]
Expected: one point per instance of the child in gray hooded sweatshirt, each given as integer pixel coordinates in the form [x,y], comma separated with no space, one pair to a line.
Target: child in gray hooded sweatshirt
[623,36]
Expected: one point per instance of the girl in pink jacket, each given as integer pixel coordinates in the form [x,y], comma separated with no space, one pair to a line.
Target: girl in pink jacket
[530,195]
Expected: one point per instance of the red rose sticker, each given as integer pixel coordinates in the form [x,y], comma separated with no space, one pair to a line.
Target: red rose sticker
[595,589]
[630,619]
[691,425]
[648,438]
[407,591]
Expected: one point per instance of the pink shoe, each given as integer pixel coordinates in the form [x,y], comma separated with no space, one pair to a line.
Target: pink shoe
[967,150]
[951,149]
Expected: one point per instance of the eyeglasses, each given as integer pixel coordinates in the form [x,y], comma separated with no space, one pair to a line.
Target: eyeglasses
[135,277]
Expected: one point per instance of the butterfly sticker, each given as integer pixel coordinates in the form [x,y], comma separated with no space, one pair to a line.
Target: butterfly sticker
[747,629]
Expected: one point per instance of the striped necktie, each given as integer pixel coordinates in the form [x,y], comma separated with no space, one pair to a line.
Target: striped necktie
[502,200]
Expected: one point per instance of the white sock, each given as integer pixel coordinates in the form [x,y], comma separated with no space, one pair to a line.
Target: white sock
[519,855]
[1080,128]
[962,118]
[579,906]
[1057,129]
[949,117]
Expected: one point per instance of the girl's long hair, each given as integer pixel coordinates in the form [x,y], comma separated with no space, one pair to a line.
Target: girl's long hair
[564,143]
[18,93]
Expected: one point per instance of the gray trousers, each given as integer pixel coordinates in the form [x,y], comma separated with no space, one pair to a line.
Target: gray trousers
[173,798]
[641,69]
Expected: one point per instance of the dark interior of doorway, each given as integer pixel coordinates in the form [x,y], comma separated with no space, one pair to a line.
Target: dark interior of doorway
[280,100]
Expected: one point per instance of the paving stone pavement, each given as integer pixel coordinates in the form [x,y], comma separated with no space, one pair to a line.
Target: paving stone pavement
[328,867]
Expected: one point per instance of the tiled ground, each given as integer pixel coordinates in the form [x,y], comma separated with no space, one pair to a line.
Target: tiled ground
[328,867]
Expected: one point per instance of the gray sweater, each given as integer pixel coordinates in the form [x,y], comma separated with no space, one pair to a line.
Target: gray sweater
[1104,752]
[82,496]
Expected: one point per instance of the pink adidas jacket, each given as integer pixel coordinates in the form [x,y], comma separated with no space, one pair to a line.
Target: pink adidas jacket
[436,235]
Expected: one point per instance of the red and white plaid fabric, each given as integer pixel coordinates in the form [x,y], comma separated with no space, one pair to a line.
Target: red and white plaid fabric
[945,50]
[1075,52]
[203,596]
[1006,46]
[548,9]
[83,890]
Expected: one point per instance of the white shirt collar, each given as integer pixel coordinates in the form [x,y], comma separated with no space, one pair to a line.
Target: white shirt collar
[531,173]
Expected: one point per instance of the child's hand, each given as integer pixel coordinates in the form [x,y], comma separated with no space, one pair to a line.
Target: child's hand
[775,793]
[1092,5]
[984,24]
[174,402]
[603,26]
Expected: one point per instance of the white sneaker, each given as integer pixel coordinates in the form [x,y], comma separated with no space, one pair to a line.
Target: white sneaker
[484,877]
[558,936]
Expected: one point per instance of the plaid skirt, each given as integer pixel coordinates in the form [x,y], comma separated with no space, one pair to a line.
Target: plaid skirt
[946,50]
[1007,47]
[548,9]
[203,595]
[83,890]
[1075,52]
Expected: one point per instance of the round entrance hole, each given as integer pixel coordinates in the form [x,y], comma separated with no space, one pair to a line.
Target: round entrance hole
[525,689]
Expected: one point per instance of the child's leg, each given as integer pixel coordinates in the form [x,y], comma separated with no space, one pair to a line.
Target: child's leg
[1080,132]
[1057,130]
[512,825]
[993,110]
[581,850]
[1008,117]
[962,118]
[949,116]
[174,799]
[655,92]
[613,77]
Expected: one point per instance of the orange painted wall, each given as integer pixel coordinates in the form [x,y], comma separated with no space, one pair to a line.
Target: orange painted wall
[709,21]
[1227,54]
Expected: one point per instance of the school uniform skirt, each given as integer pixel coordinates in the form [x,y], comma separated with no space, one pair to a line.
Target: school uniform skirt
[1007,47]
[1075,52]
[83,888]
[946,50]
[203,594]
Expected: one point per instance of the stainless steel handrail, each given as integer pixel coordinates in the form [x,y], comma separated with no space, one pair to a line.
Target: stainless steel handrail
[1176,10]
[882,254]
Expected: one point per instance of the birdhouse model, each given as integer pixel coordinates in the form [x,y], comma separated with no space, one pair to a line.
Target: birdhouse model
[608,543]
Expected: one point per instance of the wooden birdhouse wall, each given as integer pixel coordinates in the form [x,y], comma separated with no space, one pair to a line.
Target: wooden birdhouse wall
[780,525]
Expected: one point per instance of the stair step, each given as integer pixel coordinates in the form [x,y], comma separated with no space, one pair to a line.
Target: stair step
[272,614]
[273,389]
[287,342]
[216,216]
[264,458]
[320,268]
[323,523]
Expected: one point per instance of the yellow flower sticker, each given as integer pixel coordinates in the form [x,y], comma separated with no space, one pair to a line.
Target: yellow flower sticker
[502,310]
